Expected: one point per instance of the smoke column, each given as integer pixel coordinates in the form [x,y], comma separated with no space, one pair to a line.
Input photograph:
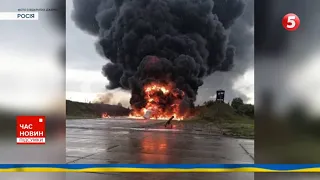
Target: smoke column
[176,41]
[242,37]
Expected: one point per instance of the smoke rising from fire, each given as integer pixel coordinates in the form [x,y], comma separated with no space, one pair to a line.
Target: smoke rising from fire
[242,37]
[176,42]
[104,98]
[114,98]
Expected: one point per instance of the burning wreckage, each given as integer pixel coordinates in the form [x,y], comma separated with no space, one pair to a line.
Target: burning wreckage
[160,50]
[158,97]
[105,115]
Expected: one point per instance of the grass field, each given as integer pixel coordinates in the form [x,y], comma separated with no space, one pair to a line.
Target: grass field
[226,119]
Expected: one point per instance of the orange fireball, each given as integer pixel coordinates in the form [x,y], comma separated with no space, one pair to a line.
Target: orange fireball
[157,104]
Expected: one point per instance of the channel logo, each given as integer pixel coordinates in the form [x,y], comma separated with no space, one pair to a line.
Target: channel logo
[24,16]
[31,129]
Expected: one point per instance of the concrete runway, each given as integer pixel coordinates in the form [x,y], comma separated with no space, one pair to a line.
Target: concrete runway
[121,140]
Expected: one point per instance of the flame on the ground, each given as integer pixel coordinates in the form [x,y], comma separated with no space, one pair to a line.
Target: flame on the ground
[155,93]
[105,115]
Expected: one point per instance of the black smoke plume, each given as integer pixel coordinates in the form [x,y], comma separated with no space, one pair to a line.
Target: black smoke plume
[181,41]
[242,38]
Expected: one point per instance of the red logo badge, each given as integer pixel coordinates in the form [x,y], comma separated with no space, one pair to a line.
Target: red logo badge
[31,129]
[291,22]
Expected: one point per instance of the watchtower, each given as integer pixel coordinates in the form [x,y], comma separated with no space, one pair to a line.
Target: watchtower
[220,96]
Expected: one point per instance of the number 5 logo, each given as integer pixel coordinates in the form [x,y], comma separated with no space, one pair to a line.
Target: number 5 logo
[291,22]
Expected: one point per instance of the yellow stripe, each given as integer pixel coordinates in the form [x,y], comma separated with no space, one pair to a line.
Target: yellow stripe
[154,170]
[306,170]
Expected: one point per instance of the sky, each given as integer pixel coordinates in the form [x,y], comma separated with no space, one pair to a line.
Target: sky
[84,79]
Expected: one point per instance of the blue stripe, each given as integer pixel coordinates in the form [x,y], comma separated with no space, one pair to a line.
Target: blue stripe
[161,166]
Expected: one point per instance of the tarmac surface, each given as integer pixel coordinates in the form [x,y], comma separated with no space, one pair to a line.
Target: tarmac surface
[131,141]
